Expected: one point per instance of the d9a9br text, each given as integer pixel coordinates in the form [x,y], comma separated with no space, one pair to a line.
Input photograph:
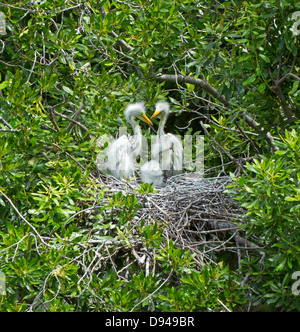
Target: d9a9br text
[172,321]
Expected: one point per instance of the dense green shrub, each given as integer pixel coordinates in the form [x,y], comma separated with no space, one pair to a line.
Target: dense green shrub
[84,61]
[272,196]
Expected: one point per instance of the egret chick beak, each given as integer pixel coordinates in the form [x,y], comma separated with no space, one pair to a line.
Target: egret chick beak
[155,114]
[145,118]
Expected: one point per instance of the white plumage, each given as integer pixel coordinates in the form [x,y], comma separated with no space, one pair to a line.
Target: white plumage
[122,153]
[167,152]
[151,173]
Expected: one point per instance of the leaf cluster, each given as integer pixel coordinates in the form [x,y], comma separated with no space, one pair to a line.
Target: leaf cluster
[67,71]
[271,196]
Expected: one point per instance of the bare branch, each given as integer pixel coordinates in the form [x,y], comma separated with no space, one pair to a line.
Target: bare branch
[76,117]
[214,92]
[19,8]
[255,125]
[24,219]
[10,130]
[284,78]
[222,149]
[194,81]
[6,123]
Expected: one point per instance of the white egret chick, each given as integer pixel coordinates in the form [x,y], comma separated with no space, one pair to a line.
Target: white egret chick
[166,154]
[151,173]
[168,148]
[122,153]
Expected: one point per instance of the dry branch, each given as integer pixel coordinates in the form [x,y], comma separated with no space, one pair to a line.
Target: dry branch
[194,81]
[179,79]
[76,117]
[23,218]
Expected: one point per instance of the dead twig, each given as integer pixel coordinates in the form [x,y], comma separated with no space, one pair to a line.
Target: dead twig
[24,219]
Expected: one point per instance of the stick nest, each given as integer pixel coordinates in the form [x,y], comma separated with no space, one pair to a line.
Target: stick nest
[194,212]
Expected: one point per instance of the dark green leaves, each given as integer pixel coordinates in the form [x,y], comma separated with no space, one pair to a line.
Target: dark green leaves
[271,195]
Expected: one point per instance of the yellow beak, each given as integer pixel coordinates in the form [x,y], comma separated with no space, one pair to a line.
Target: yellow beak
[145,118]
[155,114]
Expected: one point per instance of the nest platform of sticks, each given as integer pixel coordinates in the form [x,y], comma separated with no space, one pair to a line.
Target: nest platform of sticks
[194,212]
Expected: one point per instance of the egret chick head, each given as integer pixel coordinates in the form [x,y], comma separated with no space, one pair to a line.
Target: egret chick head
[161,107]
[137,110]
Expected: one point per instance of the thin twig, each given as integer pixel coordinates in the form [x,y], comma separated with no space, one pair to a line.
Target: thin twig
[76,117]
[179,79]
[147,297]
[24,219]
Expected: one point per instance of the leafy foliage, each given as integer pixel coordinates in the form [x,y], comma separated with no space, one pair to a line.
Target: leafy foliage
[271,196]
[67,71]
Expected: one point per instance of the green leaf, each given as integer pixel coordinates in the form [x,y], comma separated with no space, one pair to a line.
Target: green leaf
[250,80]
[3,85]
[68,90]
[262,87]
[265,58]
[281,265]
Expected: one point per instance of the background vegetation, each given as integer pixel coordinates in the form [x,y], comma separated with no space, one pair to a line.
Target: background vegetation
[68,68]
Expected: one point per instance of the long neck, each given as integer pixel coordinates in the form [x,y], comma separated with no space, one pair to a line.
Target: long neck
[137,139]
[162,124]
[136,128]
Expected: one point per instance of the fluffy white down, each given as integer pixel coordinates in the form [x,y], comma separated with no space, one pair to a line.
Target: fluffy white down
[168,147]
[168,151]
[122,153]
[120,160]
[151,173]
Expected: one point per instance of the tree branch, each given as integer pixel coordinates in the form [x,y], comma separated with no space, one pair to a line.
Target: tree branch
[71,120]
[179,79]
[255,125]
[222,149]
[10,130]
[24,219]
[194,81]
[76,117]
[284,78]
[278,91]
